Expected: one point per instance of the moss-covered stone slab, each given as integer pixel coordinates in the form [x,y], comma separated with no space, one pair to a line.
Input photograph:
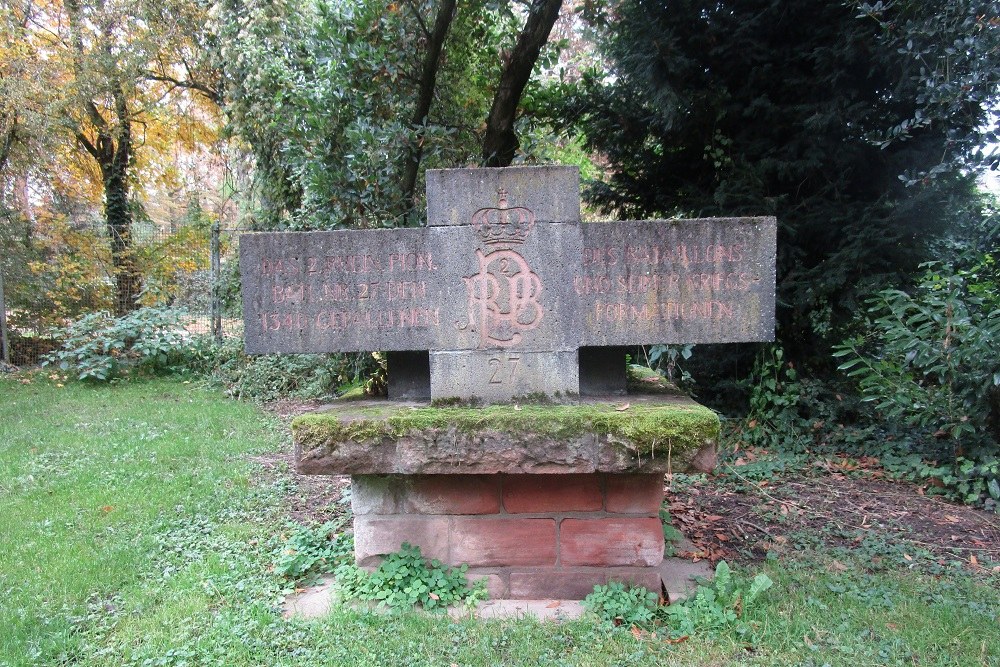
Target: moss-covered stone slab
[649,434]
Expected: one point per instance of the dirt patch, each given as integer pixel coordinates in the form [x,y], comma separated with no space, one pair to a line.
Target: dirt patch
[310,498]
[735,518]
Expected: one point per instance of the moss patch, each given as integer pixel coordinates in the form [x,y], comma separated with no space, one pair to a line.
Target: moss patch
[643,426]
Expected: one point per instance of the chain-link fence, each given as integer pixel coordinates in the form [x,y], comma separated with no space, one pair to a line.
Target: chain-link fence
[190,268]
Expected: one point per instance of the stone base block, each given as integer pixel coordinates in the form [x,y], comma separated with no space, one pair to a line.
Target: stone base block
[529,536]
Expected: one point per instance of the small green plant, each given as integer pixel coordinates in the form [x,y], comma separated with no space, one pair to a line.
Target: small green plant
[619,605]
[98,346]
[671,536]
[667,359]
[377,383]
[775,394]
[716,606]
[405,579]
[312,549]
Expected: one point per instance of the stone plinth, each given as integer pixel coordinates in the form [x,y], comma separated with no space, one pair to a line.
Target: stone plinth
[543,501]
[649,434]
[529,536]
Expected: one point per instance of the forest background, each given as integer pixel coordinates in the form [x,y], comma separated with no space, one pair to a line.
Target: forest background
[130,128]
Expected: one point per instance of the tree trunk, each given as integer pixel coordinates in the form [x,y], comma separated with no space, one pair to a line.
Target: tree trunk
[500,143]
[111,148]
[428,79]
[118,211]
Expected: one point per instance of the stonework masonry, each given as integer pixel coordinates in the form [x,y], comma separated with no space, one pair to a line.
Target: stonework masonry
[511,318]
[529,536]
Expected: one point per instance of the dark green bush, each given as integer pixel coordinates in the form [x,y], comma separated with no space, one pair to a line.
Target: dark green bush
[99,346]
[929,366]
[269,377]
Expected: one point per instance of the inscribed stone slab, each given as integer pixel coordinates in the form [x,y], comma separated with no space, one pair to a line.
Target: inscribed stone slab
[677,281]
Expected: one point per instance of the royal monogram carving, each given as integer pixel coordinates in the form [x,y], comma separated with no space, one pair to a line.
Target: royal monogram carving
[504,294]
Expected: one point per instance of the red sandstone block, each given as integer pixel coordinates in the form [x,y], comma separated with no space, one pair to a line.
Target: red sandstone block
[376,494]
[634,494]
[552,493]
[452,494]
[555,583]
[607,542]
[503,541]
[376,536]
[496,584]
[647,577]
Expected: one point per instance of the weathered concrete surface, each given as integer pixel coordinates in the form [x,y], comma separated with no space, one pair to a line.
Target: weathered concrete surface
[552,193]
[347,290]
[506,267]
[498,376]
[680,576]
[677,281]
[651,434]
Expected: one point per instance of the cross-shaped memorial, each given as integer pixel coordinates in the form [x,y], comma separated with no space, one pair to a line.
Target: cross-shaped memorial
[550,482]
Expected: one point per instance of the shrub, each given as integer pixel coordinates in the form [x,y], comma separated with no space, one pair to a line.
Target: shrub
[930,363]
[99,346]
[269,377]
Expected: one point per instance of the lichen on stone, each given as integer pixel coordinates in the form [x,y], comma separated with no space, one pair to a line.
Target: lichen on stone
[646,427]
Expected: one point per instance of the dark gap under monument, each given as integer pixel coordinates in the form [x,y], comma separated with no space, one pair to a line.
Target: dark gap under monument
[511,316]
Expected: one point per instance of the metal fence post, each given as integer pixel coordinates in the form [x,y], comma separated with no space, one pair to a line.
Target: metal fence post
[216,283]
[4,343]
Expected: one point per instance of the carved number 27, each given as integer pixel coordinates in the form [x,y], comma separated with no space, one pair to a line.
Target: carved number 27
[497,365]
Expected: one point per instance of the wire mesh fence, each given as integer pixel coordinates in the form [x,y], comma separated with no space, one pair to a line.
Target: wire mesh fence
[192,269]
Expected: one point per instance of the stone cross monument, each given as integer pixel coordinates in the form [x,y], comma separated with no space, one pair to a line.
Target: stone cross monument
[505,293]
[552,483]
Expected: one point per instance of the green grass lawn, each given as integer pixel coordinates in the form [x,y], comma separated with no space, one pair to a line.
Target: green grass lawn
[136,530]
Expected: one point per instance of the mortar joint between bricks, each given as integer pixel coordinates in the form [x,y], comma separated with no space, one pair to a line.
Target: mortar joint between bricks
[559,520]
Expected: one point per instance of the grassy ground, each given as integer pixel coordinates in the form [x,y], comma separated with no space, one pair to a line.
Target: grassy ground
[137,529]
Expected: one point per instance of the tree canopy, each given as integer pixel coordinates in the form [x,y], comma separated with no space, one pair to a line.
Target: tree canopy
[856,124]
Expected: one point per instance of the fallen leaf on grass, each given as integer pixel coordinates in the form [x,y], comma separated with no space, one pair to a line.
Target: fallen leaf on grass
[682,638]
[623,407]
[973,560]
[907,557]
[636,632]
[722,537]
[434,596]
[837,566]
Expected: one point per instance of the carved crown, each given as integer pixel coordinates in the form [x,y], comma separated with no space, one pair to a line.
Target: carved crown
[503,224]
